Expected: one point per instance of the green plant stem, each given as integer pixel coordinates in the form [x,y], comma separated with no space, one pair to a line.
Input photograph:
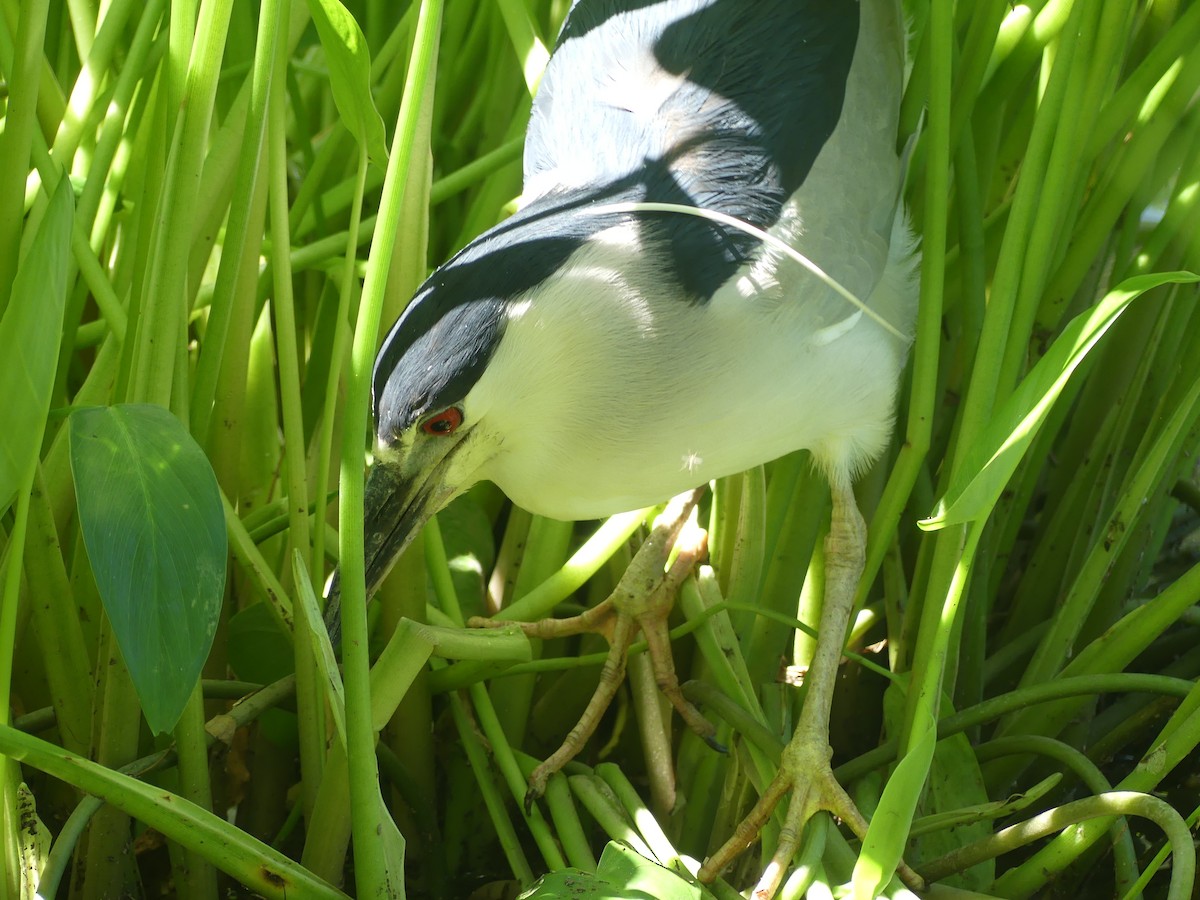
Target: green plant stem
[530,49]
[312,726]
[546,548]
[246,552]
[251,862]
[194,876]
[492,799]
[602,805]
[567,825]
[797,508]
[485,711]
[164,305]
[636,809]
[15,144]
[239,256]
[582,565]
[337,367]
[1072,63]
[117,723]
[1124,855]
[371,871]
[538,603]
[1056,644]
[993,708]
[222,727]
[82,100]
[10,775]
[55,622]
[1089,810]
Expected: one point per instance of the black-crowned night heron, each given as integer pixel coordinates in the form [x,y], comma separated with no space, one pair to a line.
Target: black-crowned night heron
[590,357]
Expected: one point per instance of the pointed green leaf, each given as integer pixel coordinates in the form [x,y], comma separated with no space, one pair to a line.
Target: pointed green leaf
[349,64]
[956,783]
[622,873]
[34,847]
[996,455]
[635,876]
[311,625]
[152,522]
[883,847]
[30,333]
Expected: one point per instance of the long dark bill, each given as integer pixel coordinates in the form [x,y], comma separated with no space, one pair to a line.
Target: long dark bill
[394,511]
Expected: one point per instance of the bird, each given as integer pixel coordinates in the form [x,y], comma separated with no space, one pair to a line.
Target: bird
[711,267]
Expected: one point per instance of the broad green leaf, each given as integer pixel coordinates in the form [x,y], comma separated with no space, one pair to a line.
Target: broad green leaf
[350,75]
[30,333]
[956,783]
[152,522]
[569,884]
[623,874]
[636,876]
[258,649]
[996,455]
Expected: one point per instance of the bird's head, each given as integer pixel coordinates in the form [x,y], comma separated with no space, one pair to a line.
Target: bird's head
[427,441]
[437,406]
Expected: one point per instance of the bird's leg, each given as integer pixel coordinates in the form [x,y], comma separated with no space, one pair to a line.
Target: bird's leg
[651,610]
[642,600]
[804,768]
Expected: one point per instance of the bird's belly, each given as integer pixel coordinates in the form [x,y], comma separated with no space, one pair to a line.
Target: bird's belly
[698,423]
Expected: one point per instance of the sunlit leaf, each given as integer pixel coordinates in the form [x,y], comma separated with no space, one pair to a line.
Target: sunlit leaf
[152,522]
[34,844]
[622,874]
[1015,423]
[636,876]
[29,339]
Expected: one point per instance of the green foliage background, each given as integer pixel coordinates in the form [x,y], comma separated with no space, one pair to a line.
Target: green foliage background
[201,209]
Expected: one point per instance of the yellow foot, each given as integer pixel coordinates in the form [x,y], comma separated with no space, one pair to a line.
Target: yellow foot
[804,768]
[805,771]
[641,601]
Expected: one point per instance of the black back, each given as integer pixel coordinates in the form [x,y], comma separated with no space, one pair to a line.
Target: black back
[743,96]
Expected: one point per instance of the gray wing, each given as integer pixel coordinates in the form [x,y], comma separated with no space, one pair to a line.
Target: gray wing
[723,104]
[707,92]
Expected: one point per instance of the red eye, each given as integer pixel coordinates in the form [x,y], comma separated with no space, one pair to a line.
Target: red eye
[444,423]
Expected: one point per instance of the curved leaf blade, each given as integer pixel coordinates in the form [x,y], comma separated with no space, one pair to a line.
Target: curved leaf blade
[883,847]
[995,457]
[154,528]
[349,64]
[30,333]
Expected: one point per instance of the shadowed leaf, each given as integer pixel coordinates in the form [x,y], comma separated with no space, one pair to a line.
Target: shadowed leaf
[152,522]
[350,75]
[29,339]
